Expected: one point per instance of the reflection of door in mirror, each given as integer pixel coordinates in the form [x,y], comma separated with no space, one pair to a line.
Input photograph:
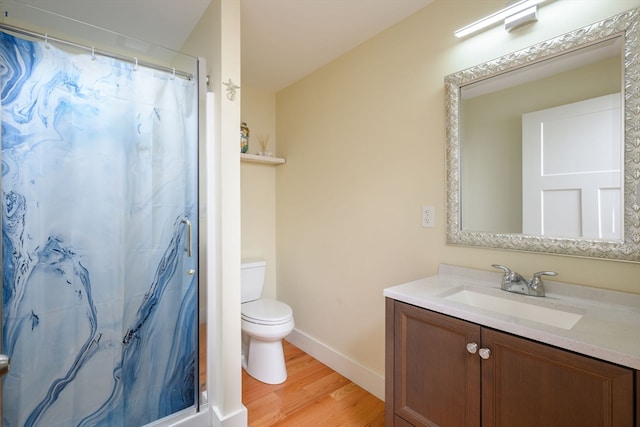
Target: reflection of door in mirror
[491,131]
[572,170]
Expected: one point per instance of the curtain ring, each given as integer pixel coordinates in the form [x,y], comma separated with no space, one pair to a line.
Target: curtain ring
[135,66]
[46,41]
[173,76]
[93,53]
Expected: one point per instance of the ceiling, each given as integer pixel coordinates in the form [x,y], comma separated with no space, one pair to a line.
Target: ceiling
[282,40]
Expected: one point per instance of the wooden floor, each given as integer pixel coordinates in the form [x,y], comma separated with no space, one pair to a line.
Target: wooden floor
[312,395]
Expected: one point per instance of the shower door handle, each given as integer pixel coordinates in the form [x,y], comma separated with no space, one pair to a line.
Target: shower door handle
[188,224]
[4,364]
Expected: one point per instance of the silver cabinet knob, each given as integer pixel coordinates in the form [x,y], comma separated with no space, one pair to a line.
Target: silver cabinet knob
[472,347]
[484,353]
[4,364]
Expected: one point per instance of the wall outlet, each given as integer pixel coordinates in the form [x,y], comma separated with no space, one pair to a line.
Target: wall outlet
[428,217]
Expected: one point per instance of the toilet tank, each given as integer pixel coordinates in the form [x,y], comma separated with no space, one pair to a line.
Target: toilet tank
[252,273]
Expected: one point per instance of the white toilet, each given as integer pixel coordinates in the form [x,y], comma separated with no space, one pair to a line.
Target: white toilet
[265,322]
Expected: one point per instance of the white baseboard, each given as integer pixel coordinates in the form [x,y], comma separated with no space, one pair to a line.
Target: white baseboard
[346,367]
[208,417]
[236,419]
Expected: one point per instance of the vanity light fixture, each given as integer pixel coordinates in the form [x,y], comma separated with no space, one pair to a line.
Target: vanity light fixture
[515,15]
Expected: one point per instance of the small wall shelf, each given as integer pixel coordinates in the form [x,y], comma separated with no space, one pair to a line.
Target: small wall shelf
[253,158]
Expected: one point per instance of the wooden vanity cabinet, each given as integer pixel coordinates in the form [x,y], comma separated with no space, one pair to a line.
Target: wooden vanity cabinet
[433,380]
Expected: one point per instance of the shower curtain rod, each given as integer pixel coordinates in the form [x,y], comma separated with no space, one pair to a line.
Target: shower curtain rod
[93,51]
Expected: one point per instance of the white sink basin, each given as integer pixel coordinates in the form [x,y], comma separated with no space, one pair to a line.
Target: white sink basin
[535,313]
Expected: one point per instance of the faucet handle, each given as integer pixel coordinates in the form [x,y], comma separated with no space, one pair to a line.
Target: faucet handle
[509,275]
[508,278]
[537,277]
[503,268]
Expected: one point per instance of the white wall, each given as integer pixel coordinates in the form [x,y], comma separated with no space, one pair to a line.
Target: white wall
[364,142]
[217,39]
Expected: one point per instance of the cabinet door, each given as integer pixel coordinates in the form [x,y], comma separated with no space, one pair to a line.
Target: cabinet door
[525,383]
[437,382]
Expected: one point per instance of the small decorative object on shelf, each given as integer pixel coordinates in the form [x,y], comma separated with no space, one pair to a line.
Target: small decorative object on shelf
[264,142]
[244,137]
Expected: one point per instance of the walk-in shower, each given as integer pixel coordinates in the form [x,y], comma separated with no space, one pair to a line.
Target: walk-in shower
[99,234]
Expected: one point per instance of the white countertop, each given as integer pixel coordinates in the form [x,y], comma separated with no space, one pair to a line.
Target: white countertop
[609,328]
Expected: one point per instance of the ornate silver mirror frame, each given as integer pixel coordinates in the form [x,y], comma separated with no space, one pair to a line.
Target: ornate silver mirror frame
[624,25]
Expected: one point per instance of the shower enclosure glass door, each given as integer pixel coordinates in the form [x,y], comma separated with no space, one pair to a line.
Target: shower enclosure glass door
[99,238]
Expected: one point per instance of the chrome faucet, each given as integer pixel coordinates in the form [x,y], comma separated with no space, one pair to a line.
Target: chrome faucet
[514,282]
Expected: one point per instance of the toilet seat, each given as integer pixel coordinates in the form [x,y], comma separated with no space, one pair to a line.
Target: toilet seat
[266,311]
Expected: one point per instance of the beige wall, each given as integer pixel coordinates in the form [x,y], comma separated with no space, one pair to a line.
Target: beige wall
[258,185]
[259,112]
[364,143]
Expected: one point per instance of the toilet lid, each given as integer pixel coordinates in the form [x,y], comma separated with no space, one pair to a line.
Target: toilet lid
[266,312]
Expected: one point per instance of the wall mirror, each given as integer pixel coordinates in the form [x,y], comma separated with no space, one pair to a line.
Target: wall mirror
[543,146]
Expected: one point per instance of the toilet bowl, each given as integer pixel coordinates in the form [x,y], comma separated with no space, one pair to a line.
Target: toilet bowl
[265,322]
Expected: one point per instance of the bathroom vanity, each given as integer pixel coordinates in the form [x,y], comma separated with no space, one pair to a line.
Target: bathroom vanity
[462,352]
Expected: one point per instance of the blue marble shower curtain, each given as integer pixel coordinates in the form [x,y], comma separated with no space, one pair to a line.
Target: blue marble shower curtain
[99,173]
